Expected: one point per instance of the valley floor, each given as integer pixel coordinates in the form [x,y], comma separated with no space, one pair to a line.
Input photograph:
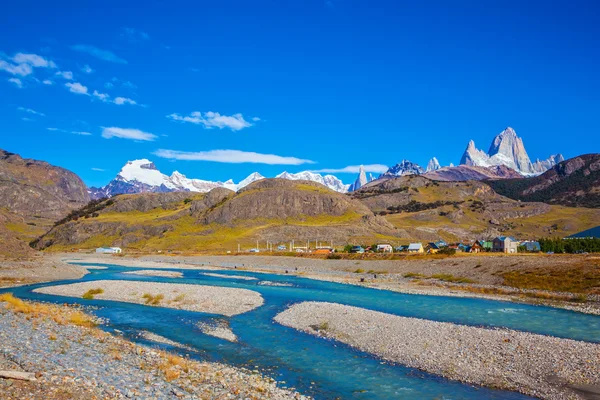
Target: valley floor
[565,281]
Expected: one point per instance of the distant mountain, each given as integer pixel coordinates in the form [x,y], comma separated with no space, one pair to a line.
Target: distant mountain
[329,181]
[507,149]
[360,181]
[574,182]
[403,168]
[433,165]
[142,176]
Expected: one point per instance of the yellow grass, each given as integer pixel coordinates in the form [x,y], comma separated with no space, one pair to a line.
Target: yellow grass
[61,315]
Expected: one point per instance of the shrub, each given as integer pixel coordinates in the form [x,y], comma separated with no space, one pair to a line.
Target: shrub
[334,256]
[89,295]
[153,300]
[359,271]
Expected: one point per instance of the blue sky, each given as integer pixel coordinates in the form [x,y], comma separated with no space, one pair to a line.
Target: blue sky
[293,85]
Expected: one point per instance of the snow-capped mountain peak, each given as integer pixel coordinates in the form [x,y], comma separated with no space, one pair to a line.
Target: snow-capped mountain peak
[404,167]
[144,171]
[253,177]
[433,165]
[507,149]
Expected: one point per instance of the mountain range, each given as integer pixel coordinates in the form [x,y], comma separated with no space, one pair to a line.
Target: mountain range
[48,207]
[506,158]
[142,176]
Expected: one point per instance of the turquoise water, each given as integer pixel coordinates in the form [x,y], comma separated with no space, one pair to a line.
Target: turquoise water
[315,366]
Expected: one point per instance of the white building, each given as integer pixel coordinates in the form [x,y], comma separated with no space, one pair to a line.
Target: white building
[385,248]
[109,250]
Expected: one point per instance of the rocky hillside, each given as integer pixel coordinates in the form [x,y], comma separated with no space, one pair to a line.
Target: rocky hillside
[427,210]
[574,183]
[33,194]
[472,173]
[31,187]
[276,210]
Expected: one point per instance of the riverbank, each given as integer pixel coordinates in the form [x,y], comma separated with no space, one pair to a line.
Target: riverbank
[35,270]
[72,361]
[536,365]
[475,276]
[207,299]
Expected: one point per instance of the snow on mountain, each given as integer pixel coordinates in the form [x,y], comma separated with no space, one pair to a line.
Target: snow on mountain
[332,182]
[144,171]
[253,177]
[433,165]
[360,181]
[507,149]
[405,167]
[141,176]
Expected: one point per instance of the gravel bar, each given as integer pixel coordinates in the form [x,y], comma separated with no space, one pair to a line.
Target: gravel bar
[536,365]
[153,272]
[208,299]
[73,362]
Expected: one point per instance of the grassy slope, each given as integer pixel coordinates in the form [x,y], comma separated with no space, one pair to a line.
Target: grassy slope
[187,234]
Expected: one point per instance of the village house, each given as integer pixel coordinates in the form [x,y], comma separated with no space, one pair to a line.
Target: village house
[385,248]
[432,248]
[505,244]
[476,247]
[415,248]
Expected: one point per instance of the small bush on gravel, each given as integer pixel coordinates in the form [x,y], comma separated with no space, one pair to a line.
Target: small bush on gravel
[413,275]
[89,295]
[359,271]
[153,300]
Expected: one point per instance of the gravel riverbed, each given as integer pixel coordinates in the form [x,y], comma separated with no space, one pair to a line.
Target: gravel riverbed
[154,272]
[537,365]
[73,362]
[208,299]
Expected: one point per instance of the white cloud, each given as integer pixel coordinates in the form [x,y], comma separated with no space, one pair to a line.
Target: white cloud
[53,129]
[99,53]
[87,69]
[255,119]
[27,119]
[109,85]
[20,69]
[68,75]
[98,169]
[129,84]
[354,169]
[101,96]
[34,60]
[124,133]
[47,82]
[211,119]
[231,156]
[22,64]
[82,133]
[16,81]
[77,88]
[124,100]
[30,111]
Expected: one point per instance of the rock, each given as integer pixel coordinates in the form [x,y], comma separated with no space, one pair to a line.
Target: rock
[23,376]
